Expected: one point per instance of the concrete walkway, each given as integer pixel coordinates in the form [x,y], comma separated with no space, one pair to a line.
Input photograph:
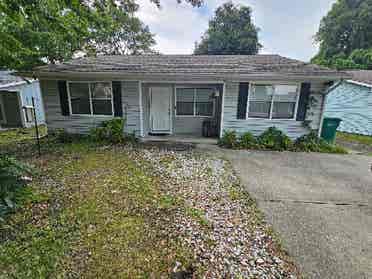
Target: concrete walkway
[320,204]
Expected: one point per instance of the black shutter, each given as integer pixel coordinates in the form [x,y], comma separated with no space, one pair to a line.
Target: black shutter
[63,97]
[242,101]
[303,101]
[116,91]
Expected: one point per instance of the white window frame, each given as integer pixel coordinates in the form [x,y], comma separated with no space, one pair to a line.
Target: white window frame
[194,102]
[90,99]
[25,113]
[272,100]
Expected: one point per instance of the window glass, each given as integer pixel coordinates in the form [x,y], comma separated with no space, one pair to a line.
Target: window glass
[185,101]
[260,99]
[101,98]
[79,94]
[204,101]
[284,104]
[29,114]
[101,90]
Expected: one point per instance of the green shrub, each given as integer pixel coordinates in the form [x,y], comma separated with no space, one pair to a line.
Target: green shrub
[248,141]
[61,136]
[110,131]
[229,139]
[274,139]
[312,143]
[11,183]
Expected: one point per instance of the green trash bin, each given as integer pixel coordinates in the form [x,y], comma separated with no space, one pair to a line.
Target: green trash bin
[329,129]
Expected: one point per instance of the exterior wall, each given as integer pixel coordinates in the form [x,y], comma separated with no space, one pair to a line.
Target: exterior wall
[181,124]
[26,92]
[82,124]
[353,104]
[292,128]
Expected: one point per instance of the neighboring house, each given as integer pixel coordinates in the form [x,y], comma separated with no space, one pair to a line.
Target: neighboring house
[175,94]
[16,101]
[351,100]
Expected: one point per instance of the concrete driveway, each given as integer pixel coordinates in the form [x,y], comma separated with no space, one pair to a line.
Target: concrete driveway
[320,204]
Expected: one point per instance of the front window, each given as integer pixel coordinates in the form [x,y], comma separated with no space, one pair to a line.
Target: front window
[195,102]
[29,113]
[273,101]
[91,98]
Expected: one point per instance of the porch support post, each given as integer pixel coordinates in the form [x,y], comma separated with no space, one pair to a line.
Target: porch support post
[140,108]
[222,108]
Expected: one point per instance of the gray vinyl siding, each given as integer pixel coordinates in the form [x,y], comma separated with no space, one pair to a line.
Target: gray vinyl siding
[131,106]
[353,104]
[292,128]
[82,124]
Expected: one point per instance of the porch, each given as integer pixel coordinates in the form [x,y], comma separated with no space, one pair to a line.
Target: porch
[180,139]
[181,112]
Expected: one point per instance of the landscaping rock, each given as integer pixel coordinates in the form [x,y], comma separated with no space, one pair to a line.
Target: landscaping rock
[216,219]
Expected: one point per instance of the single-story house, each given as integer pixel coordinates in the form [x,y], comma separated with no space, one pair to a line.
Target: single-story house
[16,101]
[351,101]
[176,94]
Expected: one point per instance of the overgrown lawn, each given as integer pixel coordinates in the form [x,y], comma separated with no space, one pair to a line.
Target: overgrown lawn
[95,213]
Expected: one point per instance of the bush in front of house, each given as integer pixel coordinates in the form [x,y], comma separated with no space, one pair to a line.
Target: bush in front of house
[276,140]
[248,141]
[229,140]
[12,183]
[312,143]
[112,131]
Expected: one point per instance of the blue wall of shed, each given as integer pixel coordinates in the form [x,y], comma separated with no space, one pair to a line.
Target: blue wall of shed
[353,104]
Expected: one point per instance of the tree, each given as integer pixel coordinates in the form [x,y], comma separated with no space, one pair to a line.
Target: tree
[35,32]
[345,35]
[230,31]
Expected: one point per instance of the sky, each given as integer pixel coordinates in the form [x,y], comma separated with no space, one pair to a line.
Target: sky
[287,26]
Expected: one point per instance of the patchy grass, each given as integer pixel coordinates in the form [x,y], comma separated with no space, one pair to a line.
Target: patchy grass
[21,134]
[115,212]
[367,140]
[101,215]
[357,143]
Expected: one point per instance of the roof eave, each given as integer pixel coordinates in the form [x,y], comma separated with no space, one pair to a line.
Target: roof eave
[176,76]
[359,83]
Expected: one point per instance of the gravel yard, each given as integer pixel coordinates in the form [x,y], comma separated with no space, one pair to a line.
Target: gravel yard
[222,224]
[137,212]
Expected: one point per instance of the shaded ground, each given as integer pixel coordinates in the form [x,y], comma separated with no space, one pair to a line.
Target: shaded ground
[320,204]
[117,211]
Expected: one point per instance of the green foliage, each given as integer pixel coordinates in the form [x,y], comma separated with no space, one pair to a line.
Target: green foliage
[248,141]
[112,131]
[230,31]
[11,183]
[312,143]
[274,139]
[358,59]
[50,31]
[229,139]
[345,36]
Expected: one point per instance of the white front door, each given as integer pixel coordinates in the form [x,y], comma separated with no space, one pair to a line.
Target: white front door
[160,110]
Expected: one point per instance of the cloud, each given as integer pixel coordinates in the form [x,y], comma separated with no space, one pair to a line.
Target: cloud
[287,26]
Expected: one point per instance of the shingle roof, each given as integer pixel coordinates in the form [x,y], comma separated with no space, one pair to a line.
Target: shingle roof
[189,64]
[6,78]
[363,76]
